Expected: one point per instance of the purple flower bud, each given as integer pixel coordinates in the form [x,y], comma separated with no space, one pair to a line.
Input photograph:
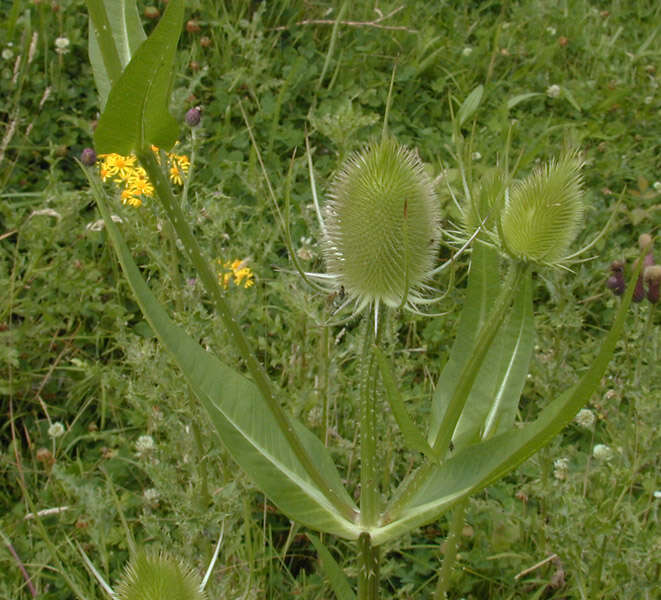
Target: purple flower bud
[88,157]
[193,116]
[653,278]
[639,291]
[616,284]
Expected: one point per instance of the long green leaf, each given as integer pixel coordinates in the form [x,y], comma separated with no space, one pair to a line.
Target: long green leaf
[470,105]
[493,401]
[121,16]
[335,575]
[483,287]
[412,436]
[241,417]
[136,114]
[475,467]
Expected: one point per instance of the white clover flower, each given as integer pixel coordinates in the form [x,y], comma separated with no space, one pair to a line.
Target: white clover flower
[553,91]
[7,54]
[62,45]
[657,186]
[648,99]
[585,418]
[657,494]
[551,30]
[145,445]
[602,452]
[467,51]
[561,468]
[151,496]
[56,430]
[476,156]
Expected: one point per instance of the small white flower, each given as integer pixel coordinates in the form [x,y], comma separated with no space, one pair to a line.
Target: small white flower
[649,99]
[467,51]
[585,418]
[476,156]
[151,496]
[56,430]
[602,452]
[551,30]
[561,468]
[657,494]
[145,445]
[657,186]
[62,45]
[553,91]
[7,54]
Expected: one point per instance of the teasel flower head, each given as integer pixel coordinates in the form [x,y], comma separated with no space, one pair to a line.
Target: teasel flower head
[153,576]
[543,213]
[381,227]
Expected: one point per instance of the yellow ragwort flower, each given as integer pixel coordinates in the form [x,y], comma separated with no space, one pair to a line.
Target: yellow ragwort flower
[132,178]
[236,271]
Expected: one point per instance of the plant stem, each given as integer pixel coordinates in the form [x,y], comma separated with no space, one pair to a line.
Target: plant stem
[450,553]
[368,569]
[368,477]
[210,281]
[368,573]
[464,385]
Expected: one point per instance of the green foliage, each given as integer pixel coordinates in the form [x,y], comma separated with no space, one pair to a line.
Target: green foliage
[63,301]
[137,114]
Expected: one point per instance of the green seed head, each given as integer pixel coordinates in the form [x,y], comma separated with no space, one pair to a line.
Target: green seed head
[382,225]
[151,576]
[543,213]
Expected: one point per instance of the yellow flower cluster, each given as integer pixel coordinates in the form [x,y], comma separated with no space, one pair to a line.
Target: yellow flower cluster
[132,178]
[236,271]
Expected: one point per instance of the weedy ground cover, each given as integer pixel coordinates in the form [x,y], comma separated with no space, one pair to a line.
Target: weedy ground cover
[134,459]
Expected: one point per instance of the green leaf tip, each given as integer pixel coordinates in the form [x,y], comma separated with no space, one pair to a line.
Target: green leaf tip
[158,576]
[136,113]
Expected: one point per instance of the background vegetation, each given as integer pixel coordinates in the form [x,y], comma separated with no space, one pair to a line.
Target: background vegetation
[75,350]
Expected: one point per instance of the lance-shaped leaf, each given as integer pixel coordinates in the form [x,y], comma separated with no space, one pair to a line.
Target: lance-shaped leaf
[241,417]
[470,105]
[336,577]
[125,34]
[476,466]
[136,114]
[493,401]
[412,436]
[483,287]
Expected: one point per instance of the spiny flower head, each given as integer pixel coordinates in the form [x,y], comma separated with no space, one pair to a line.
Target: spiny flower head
[151,576]
[382,226]
[543,213]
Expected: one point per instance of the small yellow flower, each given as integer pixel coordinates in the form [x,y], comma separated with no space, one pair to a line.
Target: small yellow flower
[128,197]
[119,166]
[175,174]
[132,178]
[236,271]
[141,186]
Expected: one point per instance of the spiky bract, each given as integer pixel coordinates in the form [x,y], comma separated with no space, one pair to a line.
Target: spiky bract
[543,213]
[151,576]
[382,225]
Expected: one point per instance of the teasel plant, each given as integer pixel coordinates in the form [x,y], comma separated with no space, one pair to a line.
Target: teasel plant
[379,228]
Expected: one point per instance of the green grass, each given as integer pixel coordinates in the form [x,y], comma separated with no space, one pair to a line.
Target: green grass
[75,349]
